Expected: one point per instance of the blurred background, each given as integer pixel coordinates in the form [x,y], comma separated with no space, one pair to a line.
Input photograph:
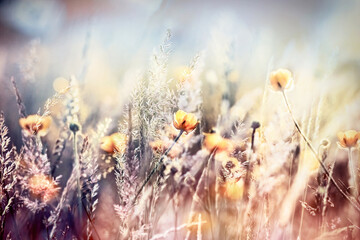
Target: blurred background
[106,45]
[105,42]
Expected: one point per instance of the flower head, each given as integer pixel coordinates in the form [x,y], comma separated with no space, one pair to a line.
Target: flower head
[35,124]
[348,139]
[116,142]
[214,140]
[234,189]
[43,187]
[281,79]
[185,121]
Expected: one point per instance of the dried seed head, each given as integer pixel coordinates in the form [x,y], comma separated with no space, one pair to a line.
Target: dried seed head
[43,187]
[74,127]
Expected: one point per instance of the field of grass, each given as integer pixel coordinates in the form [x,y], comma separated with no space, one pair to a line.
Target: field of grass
[252,134]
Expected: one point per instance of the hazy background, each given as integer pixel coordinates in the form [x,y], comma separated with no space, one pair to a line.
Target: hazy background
[104,44]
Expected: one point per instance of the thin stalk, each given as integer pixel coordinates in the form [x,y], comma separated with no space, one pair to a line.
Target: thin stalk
[302,213]
[324,201]
[197,189]
[176,217]
[157,166]
[77,168]
[354,204]
[352,168]
[90,220]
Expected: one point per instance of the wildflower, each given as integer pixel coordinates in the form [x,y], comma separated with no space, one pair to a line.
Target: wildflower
[234,189]
[185,121]
[348,139]
[281,79]
[35,124]
[214,140]
[43,187]
[114,143]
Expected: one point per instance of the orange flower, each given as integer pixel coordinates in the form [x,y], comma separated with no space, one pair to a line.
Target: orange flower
[185,121]
[161,146]
[116,142]
[214,140]
[234,189]
[348,139]
[35,124]
[43,187]
[281,79]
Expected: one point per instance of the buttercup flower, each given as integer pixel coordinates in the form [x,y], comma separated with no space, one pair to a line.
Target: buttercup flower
[281,79]
[348,139]
[43,187]
[116,142]
[234,189]
[35,124]
[185,121]
[214,140]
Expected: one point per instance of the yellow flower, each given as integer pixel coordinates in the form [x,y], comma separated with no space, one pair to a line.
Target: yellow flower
[348,139]
[214,140]
[43,187]
[185,121]
[35,124]
[281,79]
[234,189]
[116,142]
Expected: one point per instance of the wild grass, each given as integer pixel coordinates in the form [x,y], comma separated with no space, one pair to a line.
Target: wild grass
[261,162]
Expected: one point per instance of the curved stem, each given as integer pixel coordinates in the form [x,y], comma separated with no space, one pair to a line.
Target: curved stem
[157,165]
[354,204]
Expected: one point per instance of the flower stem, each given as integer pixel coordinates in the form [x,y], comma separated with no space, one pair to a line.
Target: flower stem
[354,204]
[77,168]
[157,166]
[352,171]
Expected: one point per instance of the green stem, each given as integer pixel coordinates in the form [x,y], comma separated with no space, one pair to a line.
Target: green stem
[157,166]
[354,204]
